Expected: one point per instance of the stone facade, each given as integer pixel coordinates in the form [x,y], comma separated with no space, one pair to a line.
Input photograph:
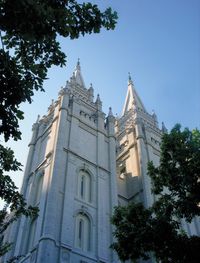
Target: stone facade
[80,165]
[71,176]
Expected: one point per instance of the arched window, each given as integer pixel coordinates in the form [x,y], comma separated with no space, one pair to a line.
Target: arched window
[37,189]
[84,186]
[83,232]
[30,235]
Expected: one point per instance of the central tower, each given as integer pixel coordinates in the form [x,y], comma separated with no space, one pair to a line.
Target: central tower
[71,176]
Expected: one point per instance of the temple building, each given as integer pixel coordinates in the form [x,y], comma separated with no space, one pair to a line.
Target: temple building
[81,164]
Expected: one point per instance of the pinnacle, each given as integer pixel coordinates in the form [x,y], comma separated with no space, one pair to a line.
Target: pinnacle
[78,66]
[98,100]
[91,87]
[110,112]
[129,79]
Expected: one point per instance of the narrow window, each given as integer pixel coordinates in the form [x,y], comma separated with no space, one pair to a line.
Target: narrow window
[30,235]
[80,232]
[84,186]
[36,189]
[83,232]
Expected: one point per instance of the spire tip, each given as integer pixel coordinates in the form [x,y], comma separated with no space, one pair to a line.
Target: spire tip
[78,65]
[129,78]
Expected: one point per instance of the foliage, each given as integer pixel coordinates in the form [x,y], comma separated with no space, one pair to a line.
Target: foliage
[179,172]
[141,232]
[131,221]
[13,199]
[29,47]
[29,31]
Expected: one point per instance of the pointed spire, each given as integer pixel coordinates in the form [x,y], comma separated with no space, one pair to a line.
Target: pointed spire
[132,99]
[51,106]
[154,116]
[72,78]
[67,84]
[35,125]
[78,66]
[164,129]
[111,122]
[61,91]
[91,92]
[38,118]
[98,102]
[91,88]
[110,112]
[77,76]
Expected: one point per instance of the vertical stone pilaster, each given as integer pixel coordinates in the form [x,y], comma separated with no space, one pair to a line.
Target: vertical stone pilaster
[27,171]
[113,176]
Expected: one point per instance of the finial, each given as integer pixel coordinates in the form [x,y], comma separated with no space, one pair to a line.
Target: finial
[91,87]
[98,102]
[154,117]
[62,89]
[78,66]
[51,105]
[129,78]
[110,112]
[67,84]
[164,129]
[91,92]
[98,99]
[38,118]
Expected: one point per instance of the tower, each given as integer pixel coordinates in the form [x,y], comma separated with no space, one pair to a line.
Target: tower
[71,176]
[138,142]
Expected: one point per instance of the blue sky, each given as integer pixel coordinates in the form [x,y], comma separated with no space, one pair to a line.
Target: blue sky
[158,41]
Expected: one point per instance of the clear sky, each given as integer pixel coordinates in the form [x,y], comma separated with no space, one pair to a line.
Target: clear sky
[158,41]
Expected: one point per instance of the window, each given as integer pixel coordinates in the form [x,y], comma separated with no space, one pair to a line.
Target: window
[39,184]
[30,235]
[84,186]
[83,232]
[36,188]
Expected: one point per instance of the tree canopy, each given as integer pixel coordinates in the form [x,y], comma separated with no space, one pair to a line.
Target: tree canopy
[29,31]
[158,231]
[30,46]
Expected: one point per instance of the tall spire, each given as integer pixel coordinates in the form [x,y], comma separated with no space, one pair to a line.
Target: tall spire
[132,99]
[78,76]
